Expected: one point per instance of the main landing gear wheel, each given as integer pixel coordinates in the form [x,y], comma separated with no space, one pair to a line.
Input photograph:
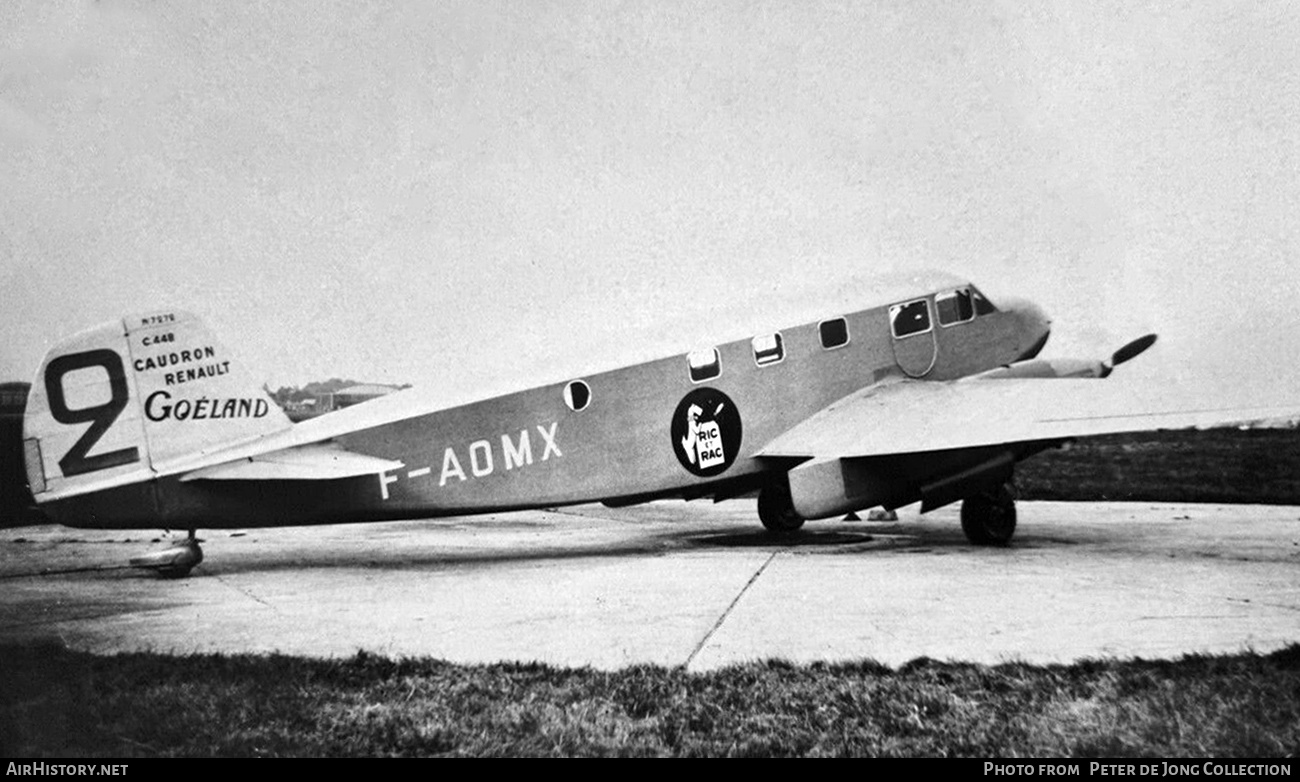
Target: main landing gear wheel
[989,518]
[776,509]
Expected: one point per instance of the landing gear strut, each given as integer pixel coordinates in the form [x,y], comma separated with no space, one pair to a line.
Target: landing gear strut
[174,562]
[776,509]
[989,518]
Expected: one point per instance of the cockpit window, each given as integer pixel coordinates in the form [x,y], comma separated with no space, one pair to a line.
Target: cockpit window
[910,318]
[954,307]
[704,365]
[982,305]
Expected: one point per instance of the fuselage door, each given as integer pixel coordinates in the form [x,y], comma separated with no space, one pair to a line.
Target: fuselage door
[912,331]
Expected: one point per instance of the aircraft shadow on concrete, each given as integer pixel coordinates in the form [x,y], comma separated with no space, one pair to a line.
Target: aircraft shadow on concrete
[764,540]
[831,540]
[270,555]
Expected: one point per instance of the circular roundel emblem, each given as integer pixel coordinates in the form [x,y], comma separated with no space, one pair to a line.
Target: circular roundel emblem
[706,432]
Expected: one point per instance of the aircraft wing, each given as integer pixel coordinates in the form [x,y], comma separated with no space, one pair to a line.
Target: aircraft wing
[320,461]
[909,416]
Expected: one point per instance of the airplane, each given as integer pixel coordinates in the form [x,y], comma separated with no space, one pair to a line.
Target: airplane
[926,391]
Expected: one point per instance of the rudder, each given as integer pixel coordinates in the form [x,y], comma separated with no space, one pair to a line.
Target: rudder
[133,398]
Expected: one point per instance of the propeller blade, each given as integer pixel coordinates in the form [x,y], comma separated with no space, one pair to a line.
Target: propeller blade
[1132,350]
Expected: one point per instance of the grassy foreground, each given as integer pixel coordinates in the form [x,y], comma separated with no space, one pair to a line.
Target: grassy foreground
[60,703]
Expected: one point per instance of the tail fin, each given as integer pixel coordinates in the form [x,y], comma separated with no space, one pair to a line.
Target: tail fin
[114,404]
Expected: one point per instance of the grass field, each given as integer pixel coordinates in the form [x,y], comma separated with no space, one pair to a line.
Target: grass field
[60,703]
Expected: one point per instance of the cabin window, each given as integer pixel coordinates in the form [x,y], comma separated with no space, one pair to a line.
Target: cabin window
[834,333]
[910,318]
[704,365]
[768,349]
[576,395]
[954,307]
[982,305]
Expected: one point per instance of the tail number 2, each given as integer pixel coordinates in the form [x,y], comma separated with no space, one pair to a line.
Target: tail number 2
[101,417]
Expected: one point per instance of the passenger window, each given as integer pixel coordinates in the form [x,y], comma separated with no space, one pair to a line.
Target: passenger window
[704,365]
[576,395]
[834,333]
[954,307]
[910,318]
[768,349]
[982,305]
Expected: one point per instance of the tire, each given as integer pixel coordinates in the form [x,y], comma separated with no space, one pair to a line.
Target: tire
[776,509]
[989,518]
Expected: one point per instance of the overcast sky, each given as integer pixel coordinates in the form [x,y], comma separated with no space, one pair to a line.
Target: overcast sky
[402,193]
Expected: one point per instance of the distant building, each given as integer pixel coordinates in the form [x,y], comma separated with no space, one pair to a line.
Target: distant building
[13,398]
[301,405]
[354,395]
[16,504]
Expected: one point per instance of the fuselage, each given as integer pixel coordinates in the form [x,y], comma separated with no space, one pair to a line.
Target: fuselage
[686,425]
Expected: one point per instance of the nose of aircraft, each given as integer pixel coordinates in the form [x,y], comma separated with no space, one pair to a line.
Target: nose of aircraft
[1035,326]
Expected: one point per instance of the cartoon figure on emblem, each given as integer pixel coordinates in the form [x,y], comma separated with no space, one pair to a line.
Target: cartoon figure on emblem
[702,442]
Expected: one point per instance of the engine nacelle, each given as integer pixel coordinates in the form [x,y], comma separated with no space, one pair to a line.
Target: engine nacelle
[1048,368]
[829,487]
[1070,367]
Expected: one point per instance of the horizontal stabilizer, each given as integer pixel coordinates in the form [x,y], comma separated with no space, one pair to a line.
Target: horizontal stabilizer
[316,462]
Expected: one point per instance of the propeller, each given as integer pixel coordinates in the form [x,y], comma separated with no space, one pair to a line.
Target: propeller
[1130,351]
[1072,367]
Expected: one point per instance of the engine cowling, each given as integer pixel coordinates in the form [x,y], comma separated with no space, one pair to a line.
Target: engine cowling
[1048,368]
[829,487]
